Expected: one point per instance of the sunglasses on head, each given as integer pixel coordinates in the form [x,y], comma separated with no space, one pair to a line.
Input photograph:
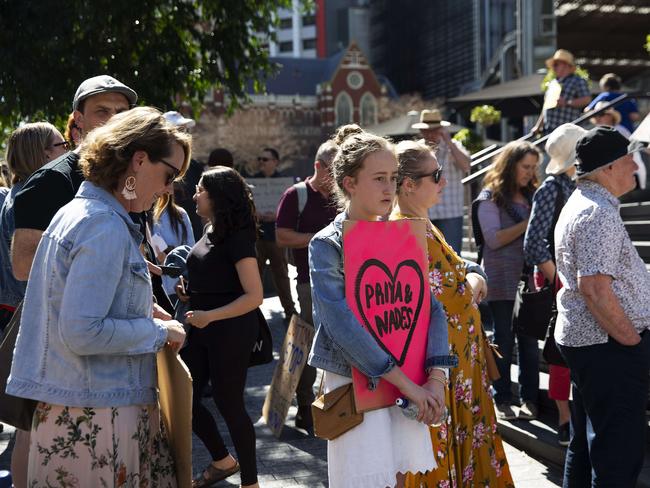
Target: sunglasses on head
[436,175]
[170,177]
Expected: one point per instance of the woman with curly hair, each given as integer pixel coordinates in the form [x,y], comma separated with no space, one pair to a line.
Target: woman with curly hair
[504,207]
[225,290]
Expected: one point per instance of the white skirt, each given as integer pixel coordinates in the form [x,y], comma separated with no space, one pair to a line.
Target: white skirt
[372,453]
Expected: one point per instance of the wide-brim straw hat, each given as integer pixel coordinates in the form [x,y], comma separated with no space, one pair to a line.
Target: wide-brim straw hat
[430,119]
[561,147]
[611,111]
[561,55]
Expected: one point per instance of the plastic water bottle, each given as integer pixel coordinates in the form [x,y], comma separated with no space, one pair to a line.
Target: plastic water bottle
[410,410]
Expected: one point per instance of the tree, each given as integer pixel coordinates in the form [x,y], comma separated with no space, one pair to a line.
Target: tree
[165,49]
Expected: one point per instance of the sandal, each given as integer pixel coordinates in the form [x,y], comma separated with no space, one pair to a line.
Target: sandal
[212,475]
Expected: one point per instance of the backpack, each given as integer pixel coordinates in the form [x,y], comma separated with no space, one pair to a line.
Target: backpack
[301,191]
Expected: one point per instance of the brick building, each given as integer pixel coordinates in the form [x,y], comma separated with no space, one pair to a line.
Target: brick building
[303,104]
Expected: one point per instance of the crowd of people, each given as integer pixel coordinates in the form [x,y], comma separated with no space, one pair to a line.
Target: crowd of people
[88,271]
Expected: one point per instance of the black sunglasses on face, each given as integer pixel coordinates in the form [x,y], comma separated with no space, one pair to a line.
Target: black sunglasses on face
[65,144]
[174,175]
[436,175]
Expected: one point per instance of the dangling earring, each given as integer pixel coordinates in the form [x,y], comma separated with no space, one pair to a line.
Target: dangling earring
[128,192]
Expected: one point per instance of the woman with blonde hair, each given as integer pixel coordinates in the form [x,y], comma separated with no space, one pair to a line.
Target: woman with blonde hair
[386,445]
[500,214]
[466,445]
[86,351]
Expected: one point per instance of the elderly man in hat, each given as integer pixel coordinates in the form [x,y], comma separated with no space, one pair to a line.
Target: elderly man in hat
[454,159]
[565,96]
[603,320]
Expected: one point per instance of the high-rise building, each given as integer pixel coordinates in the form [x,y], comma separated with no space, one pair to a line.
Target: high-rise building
[296,36]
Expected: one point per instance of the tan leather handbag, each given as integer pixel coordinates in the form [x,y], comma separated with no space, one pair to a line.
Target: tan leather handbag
[491,352]
[334,412]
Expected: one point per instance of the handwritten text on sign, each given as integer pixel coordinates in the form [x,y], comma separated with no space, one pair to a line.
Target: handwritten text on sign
[268,191]
[386,289]
[293,357]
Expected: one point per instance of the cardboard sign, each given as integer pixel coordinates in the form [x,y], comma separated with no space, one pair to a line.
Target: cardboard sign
[553,92]
[268,191]
[387,290]
[293,357]
[175,397]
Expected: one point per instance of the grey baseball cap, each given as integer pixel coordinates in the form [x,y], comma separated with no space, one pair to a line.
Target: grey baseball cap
[102,84]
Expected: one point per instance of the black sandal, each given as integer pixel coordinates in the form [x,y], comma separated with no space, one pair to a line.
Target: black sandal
[212,475]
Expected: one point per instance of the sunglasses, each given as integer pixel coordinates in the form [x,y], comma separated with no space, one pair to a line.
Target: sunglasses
[436,175]
[262,159]
[65,144]
[170,177]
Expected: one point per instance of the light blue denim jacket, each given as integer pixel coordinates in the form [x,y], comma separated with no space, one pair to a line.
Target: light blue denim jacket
[87,337]
[340,341]
[12,291]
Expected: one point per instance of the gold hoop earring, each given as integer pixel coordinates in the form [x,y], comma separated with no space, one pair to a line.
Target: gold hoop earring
[128,192]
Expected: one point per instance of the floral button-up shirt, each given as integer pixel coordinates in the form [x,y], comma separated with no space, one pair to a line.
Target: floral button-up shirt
[590,239]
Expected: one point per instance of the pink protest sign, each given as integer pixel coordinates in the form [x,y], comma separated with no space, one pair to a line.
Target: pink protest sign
[385,286]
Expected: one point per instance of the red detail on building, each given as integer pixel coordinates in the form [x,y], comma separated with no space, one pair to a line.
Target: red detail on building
[321,36]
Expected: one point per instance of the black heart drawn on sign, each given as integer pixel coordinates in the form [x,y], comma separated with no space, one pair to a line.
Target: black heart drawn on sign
[411,263]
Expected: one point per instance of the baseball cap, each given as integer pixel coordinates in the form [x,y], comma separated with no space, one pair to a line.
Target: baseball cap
[599,147]
[102,84]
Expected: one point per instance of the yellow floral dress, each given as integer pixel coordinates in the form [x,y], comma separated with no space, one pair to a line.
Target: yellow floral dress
[467,448]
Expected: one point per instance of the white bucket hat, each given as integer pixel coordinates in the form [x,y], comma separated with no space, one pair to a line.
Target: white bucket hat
[175,118]
[561,147]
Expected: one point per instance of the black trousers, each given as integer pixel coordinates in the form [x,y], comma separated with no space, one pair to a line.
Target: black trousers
[220,353]
[608,421]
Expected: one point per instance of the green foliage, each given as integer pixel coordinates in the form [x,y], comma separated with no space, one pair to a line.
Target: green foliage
[470,139]
[165,49]
[550,76]
[485,115]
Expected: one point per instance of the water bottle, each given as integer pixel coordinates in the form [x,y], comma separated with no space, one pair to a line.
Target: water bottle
[410,411]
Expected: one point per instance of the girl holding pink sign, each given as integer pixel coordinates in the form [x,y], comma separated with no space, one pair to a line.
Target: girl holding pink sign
[386,445]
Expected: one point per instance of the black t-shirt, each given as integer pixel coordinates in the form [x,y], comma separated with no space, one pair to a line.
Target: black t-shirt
[213,278]
[46,191]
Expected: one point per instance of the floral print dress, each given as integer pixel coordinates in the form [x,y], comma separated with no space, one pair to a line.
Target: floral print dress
[73,447]
[467,448]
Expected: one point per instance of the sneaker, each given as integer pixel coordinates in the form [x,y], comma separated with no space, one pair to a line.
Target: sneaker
[528,411]
[505,412]
[563,434]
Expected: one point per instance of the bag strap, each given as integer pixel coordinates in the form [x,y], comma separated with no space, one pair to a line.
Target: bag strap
[301,191]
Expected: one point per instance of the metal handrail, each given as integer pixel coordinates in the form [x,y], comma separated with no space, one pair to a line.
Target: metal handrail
[579,120]
[483,151]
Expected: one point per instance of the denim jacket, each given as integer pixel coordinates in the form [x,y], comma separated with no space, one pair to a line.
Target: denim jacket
[12,291]
[87,337]
[340,341]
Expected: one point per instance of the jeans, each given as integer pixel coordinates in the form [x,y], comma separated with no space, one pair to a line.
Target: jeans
[608,421]
[305,388]
[528,356]
[452,229]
